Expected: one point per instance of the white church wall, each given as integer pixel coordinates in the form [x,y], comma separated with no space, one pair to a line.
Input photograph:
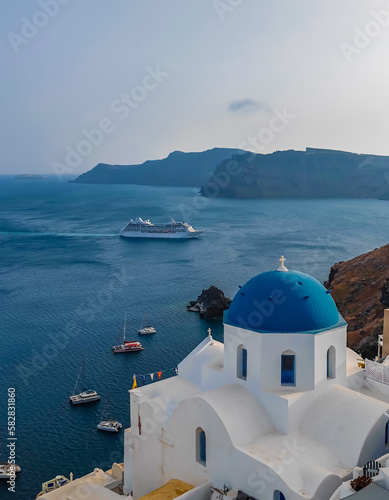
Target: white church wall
[297,409]
[323,341]
[244,472]
[127,475]
[187,417]
[344,420]
[145,453]
[277,408]
[233,338]
[375,443]
[273,346]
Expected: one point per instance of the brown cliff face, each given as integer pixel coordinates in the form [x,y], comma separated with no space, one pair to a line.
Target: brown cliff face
[360,288]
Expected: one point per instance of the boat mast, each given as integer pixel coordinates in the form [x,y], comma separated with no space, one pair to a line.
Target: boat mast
[82,373]
[105,414]
[78,376]
[124,329]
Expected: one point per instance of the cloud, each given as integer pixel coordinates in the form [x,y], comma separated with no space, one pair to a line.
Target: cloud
[247,106]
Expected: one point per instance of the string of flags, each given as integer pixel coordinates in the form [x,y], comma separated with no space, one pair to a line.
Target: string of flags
[157,375]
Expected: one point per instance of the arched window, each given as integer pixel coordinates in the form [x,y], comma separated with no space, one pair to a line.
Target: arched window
[331,362]
[387,434]
[288,372]
[241,362]
[201,446]
[278,495]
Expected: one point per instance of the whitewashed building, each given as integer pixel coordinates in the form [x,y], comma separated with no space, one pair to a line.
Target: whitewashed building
[279,411]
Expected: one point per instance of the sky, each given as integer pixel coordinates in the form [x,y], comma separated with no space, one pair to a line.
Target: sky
[124,81]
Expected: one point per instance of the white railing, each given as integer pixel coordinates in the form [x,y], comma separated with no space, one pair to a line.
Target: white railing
[377,371]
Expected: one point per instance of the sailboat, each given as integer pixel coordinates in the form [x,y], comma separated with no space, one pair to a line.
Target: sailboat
[127,345]
[106,424]
[86,395]
[7,470]
[146,329]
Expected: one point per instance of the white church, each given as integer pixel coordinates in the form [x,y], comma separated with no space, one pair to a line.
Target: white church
[281,411]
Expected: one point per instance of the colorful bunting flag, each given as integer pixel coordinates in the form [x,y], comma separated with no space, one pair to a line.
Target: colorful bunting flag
[168,372]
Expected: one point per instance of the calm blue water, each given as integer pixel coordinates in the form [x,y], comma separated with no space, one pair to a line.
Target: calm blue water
[63,270]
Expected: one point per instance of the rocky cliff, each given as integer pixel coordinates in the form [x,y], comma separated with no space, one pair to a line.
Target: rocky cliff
[360,288]
[314,173]
[178,169]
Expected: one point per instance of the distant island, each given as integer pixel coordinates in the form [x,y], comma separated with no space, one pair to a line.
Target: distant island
[178,169]
[234,173]
[314,173]
[30,176]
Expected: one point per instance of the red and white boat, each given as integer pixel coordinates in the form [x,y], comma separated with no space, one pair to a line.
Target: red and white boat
[127,345]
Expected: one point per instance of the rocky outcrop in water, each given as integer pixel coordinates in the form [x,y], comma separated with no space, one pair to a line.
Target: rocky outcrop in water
[210,304]
[360,288]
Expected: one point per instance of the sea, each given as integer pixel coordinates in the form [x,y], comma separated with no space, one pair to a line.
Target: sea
[67,280]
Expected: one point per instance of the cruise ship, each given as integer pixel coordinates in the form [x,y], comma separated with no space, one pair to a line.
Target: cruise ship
[140,228]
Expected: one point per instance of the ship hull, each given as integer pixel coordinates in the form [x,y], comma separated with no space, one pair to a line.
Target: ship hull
[81,401]
[125,351]
[134,235]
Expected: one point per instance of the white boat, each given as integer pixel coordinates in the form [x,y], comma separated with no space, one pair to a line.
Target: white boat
[86,395]
[8,470]
[109,425]
[126,345]
[140,228]
[146,329]
[106,424]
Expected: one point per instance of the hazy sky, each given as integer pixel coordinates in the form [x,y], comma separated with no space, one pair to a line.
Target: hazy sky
[162,75]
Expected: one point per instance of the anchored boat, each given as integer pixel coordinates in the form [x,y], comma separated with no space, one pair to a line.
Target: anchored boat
[126,345]
[86,395]
[146,329]
[107,424]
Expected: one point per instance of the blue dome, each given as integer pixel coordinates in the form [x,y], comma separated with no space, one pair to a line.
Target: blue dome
[284,302]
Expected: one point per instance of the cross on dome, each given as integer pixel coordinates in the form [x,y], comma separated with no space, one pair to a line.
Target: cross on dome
[282,267]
